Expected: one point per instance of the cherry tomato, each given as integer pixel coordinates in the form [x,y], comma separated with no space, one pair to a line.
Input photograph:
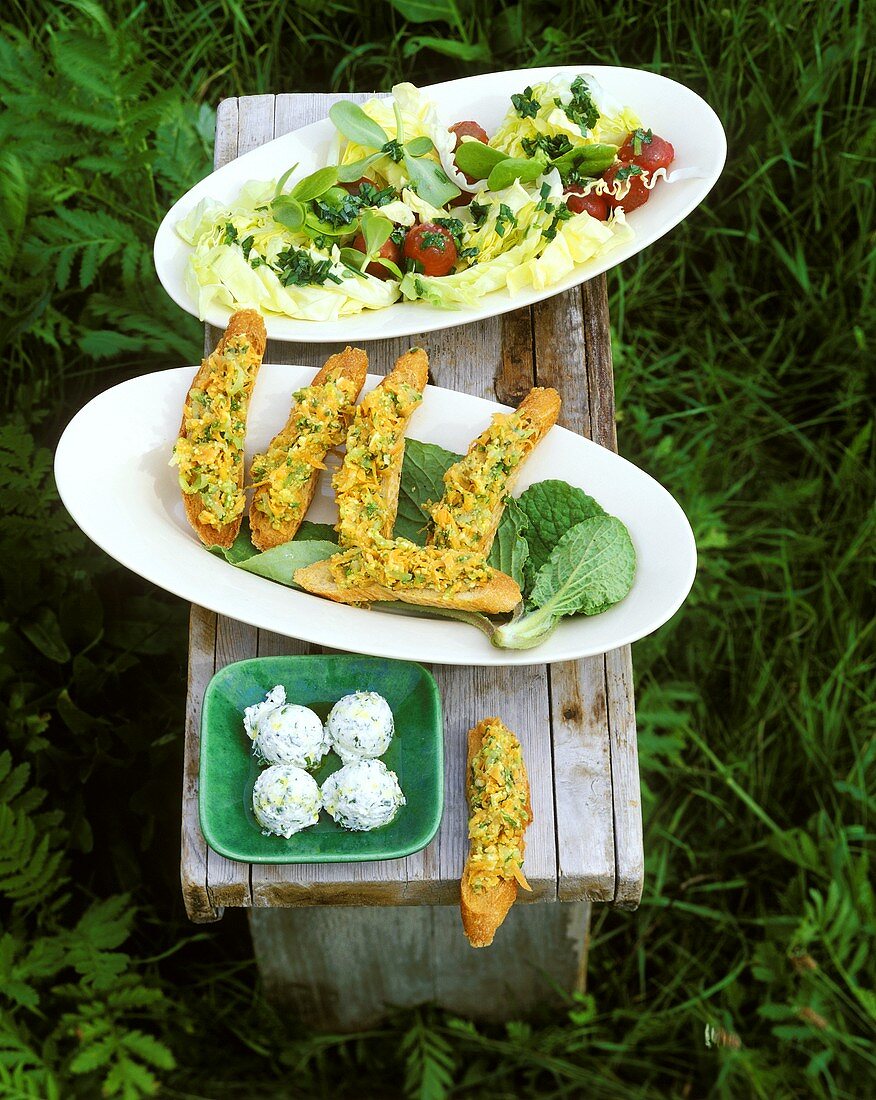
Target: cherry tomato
[432,246]
[637,195]
[468,129]
[653,154]
[354,187]
[594,205]
[389,250]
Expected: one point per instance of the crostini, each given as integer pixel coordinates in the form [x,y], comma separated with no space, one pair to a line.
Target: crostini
[423,575]
[367,484]
[209,450]
[476,487]
[498,793]
[285,476]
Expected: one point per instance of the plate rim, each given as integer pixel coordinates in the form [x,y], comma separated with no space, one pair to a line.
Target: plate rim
[334,658]
[318,331]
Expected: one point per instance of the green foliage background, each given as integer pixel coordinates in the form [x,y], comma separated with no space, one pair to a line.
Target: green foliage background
[742,346]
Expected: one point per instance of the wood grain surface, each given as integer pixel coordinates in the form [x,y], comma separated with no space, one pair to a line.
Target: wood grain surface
[576,721]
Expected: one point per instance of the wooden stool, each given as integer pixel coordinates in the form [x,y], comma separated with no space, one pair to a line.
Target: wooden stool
[340,943]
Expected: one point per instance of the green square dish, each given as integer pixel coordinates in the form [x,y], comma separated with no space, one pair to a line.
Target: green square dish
[229,770]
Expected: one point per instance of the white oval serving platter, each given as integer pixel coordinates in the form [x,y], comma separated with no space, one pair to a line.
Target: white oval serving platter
[668,108]
[112,472]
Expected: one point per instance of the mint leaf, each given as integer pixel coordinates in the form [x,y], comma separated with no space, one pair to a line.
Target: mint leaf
[422,480]
[552,508]
[591,568]
[510,550]
[316,532]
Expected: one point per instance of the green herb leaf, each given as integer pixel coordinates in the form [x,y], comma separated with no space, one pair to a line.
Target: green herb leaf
[315,532]
[477,160]
[279,564]
[349,173]
[580,109]
[281,182]
[515,168]
[356,126]
[419,146]
[510,550]
[525,105]
[586,160]
[289,212]
[552,507]
[376,229]
[591,568]
[316,184]
[430,181]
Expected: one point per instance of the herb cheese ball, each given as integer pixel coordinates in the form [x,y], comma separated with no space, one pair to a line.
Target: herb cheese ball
[360,726]
[363,795]
[285,800]
[284,733]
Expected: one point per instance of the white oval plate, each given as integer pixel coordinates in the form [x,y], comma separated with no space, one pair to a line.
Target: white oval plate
[112,472]
[668,108]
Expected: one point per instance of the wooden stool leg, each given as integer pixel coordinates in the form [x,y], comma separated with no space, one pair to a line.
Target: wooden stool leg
[339,968]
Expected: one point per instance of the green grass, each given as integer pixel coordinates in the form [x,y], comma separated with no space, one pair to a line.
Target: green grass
[742,345]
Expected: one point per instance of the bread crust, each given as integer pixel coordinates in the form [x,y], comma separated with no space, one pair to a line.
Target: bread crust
[350,363]
[542,406]
[248,323]
[411,368]
[483,911]
[500,594]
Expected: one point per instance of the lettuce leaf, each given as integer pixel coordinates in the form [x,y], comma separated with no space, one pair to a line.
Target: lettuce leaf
[552,507]
[590,569]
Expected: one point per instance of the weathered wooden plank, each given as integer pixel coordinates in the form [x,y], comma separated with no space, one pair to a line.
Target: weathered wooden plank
[199,903]
[359,964]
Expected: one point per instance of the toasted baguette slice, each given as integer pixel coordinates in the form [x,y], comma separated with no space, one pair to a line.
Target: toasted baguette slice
[456,524]
[351,363]
[245,336]
[498,595]
[411,369]
[483,911]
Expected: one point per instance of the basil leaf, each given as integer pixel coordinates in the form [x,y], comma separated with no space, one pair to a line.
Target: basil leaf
[586,160]
[316,184]
[376,230]
[419,146]
[515,168]
[349,173]
[289,212]
[356,126]
[430,181]
[477,160]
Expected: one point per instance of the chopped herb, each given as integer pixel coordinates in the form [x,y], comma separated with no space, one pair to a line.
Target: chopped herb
[369,195]
[627,171]
[478,212]
[562,214]
[338,213]
[435,240]
[505,218]
[544,202]
[298,268]
[393,150]
[525,105]
[246,245]
[397,236]
[639,138]
[453,226]
[552,146]
[580,109]
[468,253]
[230,234]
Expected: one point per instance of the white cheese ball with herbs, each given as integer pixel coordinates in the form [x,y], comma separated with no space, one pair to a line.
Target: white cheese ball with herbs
[286,800]
[363,795]
[285,733]
[360,726]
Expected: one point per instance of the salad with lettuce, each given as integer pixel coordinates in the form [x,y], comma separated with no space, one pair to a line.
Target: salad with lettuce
[411,208]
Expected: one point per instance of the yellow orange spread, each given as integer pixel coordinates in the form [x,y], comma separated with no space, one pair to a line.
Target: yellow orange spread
[498,801]
[209,453]
[475,486]
[377,432]
[398,563]
[319,423]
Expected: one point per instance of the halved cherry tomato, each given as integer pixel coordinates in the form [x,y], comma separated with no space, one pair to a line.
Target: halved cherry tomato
[595,205]
[432,246]
[389,250]
[637,195]
[468,129]
[353,187]
[651,155]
